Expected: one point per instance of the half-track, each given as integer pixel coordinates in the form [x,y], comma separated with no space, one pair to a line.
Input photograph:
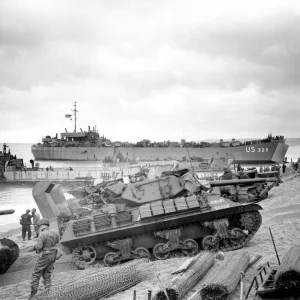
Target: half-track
[174,214]
[9,250]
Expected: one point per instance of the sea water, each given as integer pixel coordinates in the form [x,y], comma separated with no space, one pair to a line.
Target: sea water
[18,196]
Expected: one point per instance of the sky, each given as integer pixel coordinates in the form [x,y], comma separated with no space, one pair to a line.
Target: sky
[154,69]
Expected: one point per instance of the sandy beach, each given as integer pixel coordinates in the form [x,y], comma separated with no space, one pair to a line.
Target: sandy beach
[281,212]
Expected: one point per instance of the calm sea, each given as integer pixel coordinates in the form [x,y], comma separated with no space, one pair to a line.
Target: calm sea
[19,196]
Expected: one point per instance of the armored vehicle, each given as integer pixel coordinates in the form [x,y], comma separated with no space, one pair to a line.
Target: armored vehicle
[246,186]
[171,214]
[9,250]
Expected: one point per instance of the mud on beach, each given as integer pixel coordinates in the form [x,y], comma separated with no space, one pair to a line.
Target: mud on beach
[281,212]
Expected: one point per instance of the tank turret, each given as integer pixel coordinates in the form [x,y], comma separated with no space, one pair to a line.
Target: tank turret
[9,250]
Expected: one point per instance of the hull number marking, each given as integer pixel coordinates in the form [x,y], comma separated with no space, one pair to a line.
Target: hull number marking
[216,201]
[253,149]
[221,206]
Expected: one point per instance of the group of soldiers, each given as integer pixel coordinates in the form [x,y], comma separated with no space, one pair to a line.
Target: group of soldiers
[274,167]
[208,177]
[26,223]
[45,246]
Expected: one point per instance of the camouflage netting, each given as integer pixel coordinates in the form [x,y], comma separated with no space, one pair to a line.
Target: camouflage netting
[100,283]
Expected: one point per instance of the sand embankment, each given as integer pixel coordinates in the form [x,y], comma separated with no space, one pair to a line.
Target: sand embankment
[281,212]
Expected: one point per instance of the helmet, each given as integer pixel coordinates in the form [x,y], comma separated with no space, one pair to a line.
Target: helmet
[27,210]
[145,169]
[33,210]
[44,221]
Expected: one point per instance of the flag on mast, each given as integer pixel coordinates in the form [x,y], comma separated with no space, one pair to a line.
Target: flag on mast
[68,116]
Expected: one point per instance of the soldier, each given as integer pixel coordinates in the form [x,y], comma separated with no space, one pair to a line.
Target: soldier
[227,174]
[283,168]
[261,169]
[25,221]
[46,248]
[35,219]
[267,169]
[243,175]
[145,173]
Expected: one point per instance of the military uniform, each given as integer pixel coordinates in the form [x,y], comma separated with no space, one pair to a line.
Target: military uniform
[26,222]
[45,246]
[35,219]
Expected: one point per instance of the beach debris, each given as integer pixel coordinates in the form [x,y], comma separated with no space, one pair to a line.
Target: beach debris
[253,261]
[288,273]
[224,279]
[274,246]
[185,281]
[100,283]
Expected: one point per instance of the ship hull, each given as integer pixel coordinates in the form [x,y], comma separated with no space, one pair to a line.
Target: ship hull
[257,153]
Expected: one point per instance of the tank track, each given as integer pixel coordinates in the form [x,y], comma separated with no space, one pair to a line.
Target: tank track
[250,221]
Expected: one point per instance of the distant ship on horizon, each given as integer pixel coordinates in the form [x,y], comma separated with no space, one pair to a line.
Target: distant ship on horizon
[90,146]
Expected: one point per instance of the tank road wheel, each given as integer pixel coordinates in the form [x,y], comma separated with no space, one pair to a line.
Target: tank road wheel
[210,243]
[111,259]
[86,254]
[237,236]
[190,247]
[142,252]
[159,252]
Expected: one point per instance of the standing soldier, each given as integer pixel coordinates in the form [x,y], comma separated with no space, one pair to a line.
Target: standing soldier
[25,221]
[283,167]
[35,220]
[46,248]
[261,169]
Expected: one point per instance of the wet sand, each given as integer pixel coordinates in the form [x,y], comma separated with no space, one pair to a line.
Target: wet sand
[281,212]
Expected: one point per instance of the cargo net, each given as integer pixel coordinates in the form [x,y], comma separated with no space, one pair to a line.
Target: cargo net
[99,283]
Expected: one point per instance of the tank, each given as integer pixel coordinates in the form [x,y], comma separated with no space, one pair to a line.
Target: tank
[247,186]
[171,215]
[9,250]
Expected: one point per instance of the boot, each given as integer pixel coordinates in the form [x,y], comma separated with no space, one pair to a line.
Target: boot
[32,295]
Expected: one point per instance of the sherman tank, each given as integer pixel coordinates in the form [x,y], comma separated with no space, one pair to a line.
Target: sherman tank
[172,214]
[9,250]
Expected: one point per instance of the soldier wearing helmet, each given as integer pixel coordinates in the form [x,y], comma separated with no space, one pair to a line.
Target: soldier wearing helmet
[145,173]
[47,250]
[25,221]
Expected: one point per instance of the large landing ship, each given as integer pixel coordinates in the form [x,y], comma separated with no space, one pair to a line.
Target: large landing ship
[90,146]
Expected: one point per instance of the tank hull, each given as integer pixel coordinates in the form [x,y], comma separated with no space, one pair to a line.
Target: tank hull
[257,153]
[70,240]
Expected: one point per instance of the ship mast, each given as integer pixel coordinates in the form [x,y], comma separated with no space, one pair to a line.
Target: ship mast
[75,116]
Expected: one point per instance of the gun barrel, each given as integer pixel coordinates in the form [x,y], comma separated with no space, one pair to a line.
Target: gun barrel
[241,181]
[7,212]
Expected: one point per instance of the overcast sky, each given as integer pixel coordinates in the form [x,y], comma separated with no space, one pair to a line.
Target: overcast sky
[156,69]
